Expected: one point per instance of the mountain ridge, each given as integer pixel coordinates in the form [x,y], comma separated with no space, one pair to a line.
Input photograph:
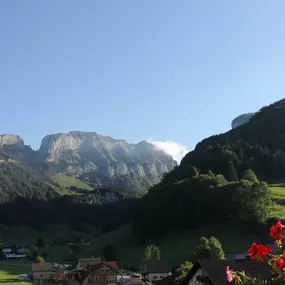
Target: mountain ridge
[100,160]
[257,145]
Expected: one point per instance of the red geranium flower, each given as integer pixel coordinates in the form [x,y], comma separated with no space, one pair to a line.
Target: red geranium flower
[259,252]
[278,231]
[281,262]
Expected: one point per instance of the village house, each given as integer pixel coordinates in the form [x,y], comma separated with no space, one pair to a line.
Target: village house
[154,270]
[95,273]
[213,272]
[41,271]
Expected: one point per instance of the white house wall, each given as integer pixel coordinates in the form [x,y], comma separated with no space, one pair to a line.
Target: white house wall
[156,276]
[42,275]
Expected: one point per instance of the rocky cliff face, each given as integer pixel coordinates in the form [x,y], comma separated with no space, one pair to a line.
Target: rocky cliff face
[99,160]
[83,153]
[11,140]
[242,119]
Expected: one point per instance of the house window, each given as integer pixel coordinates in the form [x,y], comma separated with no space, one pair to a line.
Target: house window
[114,277]
[109,277]
[102,270]
[154,277]
[107,270]
[96,278]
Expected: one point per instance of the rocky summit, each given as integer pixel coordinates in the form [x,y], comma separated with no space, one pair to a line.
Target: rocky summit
[8,139]
[242,119]
[98,160]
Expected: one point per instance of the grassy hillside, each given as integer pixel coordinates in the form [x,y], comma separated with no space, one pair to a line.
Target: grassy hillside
[10,274]
[175,247]
[63,185]
[68,181]
[278,196]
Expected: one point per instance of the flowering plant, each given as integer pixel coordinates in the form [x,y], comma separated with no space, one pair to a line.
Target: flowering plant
[263,253]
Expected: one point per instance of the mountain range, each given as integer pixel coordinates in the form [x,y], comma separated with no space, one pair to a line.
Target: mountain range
[74,173]
[88,160]
[100,161]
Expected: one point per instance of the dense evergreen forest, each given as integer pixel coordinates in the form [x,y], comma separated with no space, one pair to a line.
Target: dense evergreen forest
[16,181]
[40,214]
[258,145]
[200,200]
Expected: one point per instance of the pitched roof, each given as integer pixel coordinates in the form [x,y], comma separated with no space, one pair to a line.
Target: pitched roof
[36,267]
[216,270]
[155,266]
[110,264]
[89,261]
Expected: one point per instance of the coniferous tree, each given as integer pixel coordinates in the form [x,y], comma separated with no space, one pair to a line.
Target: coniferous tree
[232,172]
[250,176]
[40,259]
[208,249]
[152,252]
[40,242]
[193,171]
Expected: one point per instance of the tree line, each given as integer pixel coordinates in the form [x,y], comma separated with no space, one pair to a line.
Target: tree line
[40,214]
[200,200]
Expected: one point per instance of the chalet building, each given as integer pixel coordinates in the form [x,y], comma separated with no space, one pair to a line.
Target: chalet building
[100,273]
[154,270]
[41,271]
[213,272]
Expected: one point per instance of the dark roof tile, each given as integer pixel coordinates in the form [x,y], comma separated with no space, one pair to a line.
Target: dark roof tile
[155,266]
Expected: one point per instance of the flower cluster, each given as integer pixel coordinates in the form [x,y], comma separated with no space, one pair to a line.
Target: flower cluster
[263,253]
[277,232]
[231,275]
[259,252]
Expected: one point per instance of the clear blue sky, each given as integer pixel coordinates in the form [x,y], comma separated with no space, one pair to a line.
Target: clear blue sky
[175,70]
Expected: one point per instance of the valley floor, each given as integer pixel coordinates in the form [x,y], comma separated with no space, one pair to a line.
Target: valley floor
[9,274]
[175,247]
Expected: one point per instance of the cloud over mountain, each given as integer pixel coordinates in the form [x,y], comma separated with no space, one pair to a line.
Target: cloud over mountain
[174,149]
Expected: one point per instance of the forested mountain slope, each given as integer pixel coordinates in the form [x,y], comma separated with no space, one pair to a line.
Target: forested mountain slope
[217,181]
[18,180]
[258,145]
